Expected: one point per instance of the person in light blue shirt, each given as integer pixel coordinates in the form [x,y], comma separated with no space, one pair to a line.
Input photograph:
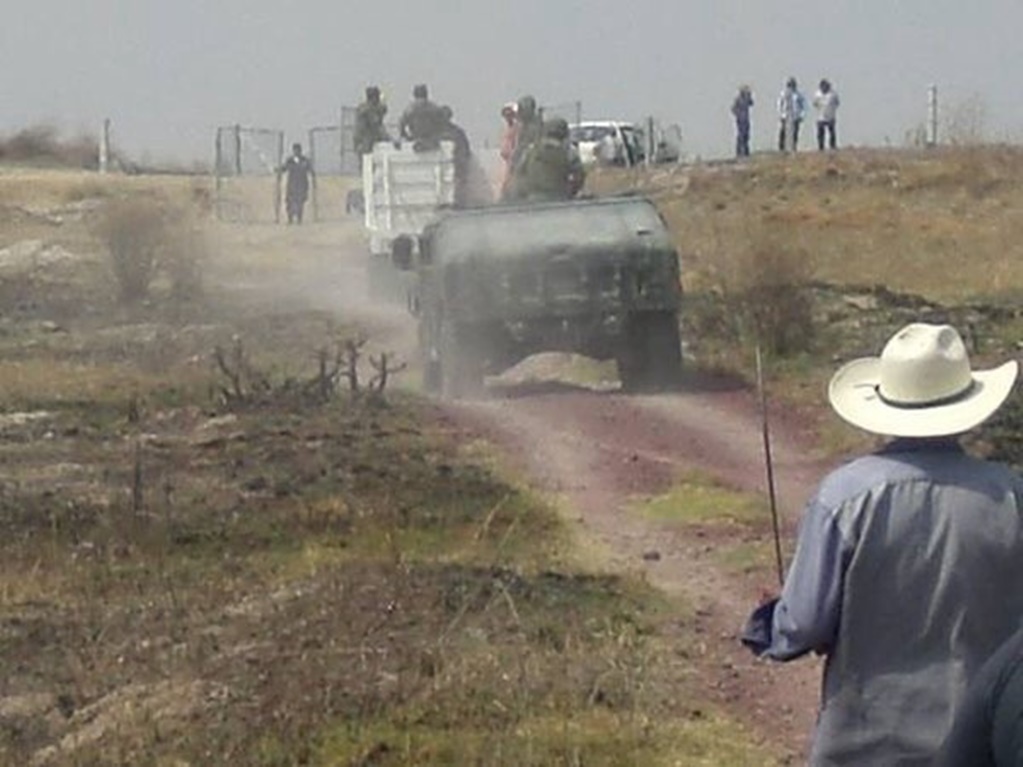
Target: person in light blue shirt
[791,110]
[908,571]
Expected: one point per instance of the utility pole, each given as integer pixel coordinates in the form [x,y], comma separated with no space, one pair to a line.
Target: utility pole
[104,147]
[932,116]
[651,141]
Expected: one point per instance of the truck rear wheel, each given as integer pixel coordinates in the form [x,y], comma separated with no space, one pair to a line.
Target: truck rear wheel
[651,355]
[461,371]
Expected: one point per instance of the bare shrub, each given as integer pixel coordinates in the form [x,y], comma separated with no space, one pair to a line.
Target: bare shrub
[245,385]
[133,231]
[183,255]
[146,238]
[44,144]
[965,122]
[762,291]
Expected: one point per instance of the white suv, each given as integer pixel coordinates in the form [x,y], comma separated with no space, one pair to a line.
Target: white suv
[607,142]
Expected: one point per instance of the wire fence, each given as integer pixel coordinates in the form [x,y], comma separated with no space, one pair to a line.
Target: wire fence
[246,168]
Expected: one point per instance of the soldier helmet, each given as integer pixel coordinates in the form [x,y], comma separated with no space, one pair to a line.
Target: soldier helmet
[420,92]
[447,113]
[556,127]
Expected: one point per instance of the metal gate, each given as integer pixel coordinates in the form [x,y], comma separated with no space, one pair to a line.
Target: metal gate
[351,163]
[247,171]
[330,183]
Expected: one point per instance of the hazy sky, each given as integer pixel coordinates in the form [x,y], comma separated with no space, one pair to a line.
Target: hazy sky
[168,71]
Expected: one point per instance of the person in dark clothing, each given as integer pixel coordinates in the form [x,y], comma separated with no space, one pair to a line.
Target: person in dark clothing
[369,121]
[740,110]
[551,169]
[298,172]
[423,121]
[454,133]
[988,730]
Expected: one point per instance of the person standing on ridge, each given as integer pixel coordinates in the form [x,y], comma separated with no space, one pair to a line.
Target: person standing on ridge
[826,102]
[741,107]
[791,110]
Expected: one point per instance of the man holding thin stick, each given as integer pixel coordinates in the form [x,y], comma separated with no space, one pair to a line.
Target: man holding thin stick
[908,571]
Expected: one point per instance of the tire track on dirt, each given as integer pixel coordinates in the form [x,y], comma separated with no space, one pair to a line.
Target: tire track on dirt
[600,451]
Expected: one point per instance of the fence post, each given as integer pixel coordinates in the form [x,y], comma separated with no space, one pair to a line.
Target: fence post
[932,116]
[237,149]
[651,142]
[218,160]
[343,149]
[312,181]
[277,169]
[104,147]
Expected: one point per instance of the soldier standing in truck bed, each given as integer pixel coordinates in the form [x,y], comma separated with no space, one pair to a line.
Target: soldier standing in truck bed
[551,168]
[453,132]
[529,131]
[422,121]
[369,121]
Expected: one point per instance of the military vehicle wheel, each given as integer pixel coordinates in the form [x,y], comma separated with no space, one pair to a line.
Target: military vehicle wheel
[664,351]
[431,377]
[461,374]
[651,357]
[383,281]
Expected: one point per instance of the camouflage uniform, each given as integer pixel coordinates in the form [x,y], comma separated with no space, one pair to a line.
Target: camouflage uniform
[530,129]
[551,169]
[454,133]
[369,122]
[422,120]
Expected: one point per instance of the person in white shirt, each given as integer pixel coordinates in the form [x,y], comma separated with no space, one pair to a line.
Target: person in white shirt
[826,102]
[791,108]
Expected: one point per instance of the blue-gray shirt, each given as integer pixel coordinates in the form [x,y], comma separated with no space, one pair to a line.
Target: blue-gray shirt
[908,574]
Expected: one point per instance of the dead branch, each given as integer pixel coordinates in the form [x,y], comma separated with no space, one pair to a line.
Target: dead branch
[351,352]
[383,371]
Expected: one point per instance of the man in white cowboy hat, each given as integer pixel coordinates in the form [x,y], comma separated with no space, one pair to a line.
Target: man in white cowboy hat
[908,571]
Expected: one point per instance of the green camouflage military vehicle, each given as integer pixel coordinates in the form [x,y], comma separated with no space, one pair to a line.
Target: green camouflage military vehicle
[595,277]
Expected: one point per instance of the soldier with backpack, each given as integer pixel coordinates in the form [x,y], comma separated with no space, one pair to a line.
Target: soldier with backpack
[551,168]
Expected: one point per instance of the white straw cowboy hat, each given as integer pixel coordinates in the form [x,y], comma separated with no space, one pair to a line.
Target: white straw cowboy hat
[920,386]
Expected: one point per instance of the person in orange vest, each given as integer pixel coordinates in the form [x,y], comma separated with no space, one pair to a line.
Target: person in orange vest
[509,139]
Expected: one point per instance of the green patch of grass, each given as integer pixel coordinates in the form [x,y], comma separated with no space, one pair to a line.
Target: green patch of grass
[746,557]
[697,499]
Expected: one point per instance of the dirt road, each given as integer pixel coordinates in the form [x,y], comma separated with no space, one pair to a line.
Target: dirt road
[599,451]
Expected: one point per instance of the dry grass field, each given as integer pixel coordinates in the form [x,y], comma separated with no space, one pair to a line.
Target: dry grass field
[820,257]
[249,564]
[246,563]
